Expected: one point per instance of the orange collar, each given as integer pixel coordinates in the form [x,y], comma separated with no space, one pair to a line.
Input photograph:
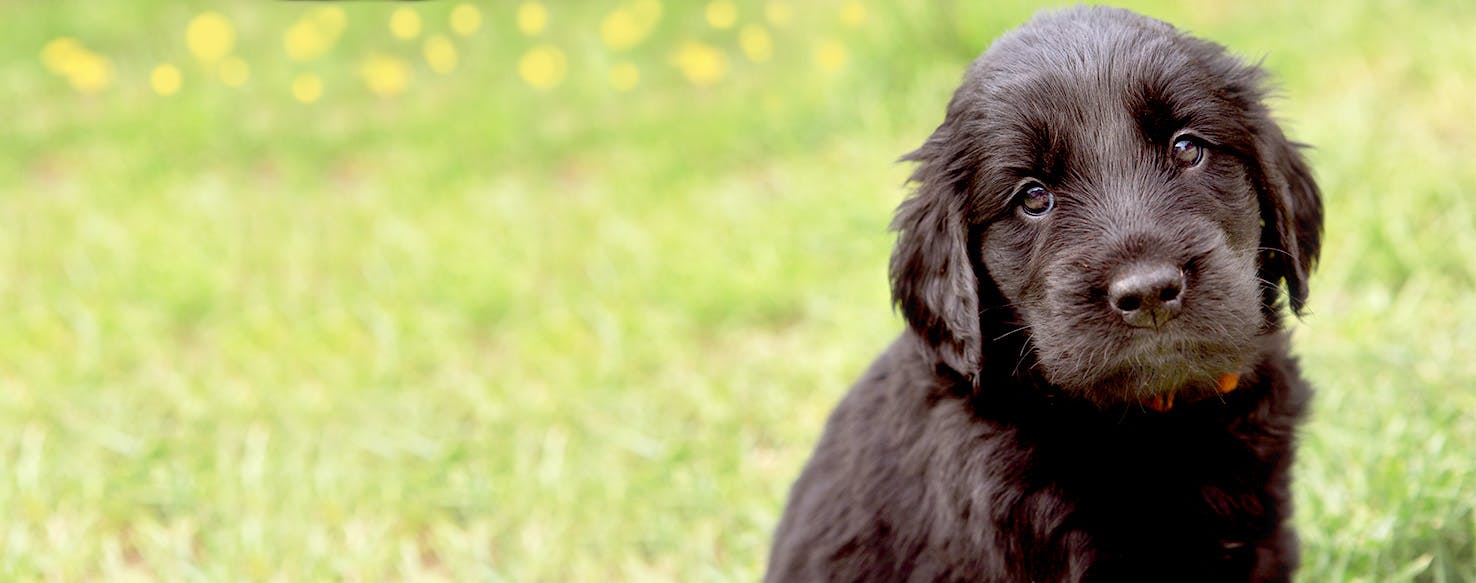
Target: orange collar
[1164,402]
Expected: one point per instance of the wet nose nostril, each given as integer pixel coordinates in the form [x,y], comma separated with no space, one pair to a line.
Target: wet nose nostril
[1147,295]
[1169,294]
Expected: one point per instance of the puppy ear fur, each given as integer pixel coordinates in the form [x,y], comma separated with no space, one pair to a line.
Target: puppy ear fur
[1291,207]
[934,284]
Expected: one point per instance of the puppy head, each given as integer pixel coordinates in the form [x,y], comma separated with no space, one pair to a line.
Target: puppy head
[1113,194]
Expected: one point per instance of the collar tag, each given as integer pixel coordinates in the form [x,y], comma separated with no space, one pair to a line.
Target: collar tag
[1228,382]
[1163,403]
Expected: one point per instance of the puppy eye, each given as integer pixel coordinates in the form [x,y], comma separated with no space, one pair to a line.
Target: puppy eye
[1035,200]
[1188,151]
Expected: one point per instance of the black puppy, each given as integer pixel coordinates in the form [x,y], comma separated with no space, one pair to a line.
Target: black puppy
[1095,384]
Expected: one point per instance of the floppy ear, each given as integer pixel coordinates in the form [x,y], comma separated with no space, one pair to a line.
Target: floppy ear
[1291,207]
[933,280]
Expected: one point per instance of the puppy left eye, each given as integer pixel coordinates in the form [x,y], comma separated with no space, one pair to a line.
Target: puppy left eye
[1035,200]
[1188,152]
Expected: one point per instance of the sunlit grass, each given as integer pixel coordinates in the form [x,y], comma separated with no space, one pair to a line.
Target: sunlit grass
[328,309]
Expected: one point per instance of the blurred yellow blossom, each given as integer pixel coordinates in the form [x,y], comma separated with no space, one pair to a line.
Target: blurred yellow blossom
[465,19]
[853,14]
[85,70]
[440,54]
[385,75]
[330,18]
[543,67]
[702,64]
[314,33]
[89,72]
[210,37]
[165,79]
[647,11]
[307,87]
[721,14]
[234,71]
[778,13]
[830,55]
[624,76]
[532,18]
[59,54]
[624,28]
[405,23]
[619,30]
[756,43]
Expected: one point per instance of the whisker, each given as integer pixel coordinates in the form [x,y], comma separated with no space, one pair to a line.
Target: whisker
[1001,336]
[1021,360]
[1281,251]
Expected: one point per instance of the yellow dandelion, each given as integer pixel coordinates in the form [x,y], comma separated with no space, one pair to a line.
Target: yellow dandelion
[89,72]
[330,19]
[210,37]
[532,18]
[624,76]
[702,64]
[756,43]
[307,87]
[58,55]
[721,14]
[313,35]
[465,19]
[440,54]
[778,13]
[165,79]
[853,14]
[647,12]
[385,75]
[625,28]
[405,23]
[830,55]
[234,71]
[543,67]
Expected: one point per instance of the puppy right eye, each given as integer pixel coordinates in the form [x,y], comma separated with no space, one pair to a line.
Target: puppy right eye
[1035,200]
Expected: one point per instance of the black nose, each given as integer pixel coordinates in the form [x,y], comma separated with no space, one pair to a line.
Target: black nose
[1147,294]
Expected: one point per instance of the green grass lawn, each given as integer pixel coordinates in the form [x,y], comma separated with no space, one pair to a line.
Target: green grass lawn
[529,319]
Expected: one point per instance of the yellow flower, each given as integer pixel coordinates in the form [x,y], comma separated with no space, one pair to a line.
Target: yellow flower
[778,13]
[646,11]
[702,64]
[314,33]
[234,71]
[165,79]
[830,55]
[405,23]
[330,19]
[385,75]
[210,37]
[59,54]
[853,14]
[532,18]
[440,54]
[624,76]
[543,67]
[465,19]
[625,28]
[755,42]
[307,87]
[721,14]
[89,72]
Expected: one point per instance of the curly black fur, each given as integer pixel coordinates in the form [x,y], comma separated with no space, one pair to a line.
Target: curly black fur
[1003,436]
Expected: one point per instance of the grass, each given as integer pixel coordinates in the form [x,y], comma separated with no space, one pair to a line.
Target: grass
[481,331]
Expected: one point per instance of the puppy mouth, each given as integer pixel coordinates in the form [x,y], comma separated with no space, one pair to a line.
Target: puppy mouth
[1154,369]
[1161,365]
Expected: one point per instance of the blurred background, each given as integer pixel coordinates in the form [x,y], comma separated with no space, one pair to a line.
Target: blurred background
[565,291]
